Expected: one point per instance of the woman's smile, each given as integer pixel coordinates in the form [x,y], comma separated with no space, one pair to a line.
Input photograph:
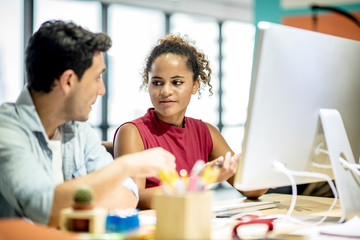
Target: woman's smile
[167,102]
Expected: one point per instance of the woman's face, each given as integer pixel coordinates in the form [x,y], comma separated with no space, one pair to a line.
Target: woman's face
[171,86]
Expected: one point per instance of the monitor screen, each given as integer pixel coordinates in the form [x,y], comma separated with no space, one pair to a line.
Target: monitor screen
[296,73]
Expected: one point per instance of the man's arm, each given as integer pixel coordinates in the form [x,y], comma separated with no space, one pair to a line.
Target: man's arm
[106,183]
[109,178]
[146,196]
[98,154]
[26,183]
[107,187]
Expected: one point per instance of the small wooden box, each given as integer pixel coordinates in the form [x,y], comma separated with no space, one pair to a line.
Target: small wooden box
[95,218]
[183,217]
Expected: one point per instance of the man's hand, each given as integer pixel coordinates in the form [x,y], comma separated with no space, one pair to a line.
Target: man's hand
[148,163]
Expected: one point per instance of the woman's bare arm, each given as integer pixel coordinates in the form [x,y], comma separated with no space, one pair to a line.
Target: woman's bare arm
[128,140]
[222,152]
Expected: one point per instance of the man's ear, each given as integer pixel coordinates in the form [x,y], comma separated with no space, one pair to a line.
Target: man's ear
[196,86]
[67,80]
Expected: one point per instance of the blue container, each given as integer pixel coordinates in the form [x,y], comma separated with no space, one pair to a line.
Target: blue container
[121,221]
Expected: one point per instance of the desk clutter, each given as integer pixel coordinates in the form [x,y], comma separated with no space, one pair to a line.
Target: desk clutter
[309,208]
[82,216]
[200,177]
[183,209]
[186,216]
[98,223]
[122,221]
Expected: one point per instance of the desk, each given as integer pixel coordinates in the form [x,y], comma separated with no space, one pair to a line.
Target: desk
[305,206]
[308,208]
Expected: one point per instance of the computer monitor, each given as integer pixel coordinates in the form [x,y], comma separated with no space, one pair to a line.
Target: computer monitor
[296,73]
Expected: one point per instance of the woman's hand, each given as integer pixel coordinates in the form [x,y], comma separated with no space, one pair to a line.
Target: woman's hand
[227,166]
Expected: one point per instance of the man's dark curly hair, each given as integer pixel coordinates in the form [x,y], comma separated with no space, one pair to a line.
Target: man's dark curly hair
[196,61]
[58,46]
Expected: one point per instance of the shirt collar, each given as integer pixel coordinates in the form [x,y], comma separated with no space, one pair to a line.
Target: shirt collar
[27,111]
[29,117]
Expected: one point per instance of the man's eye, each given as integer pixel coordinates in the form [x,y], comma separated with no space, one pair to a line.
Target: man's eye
[100,76]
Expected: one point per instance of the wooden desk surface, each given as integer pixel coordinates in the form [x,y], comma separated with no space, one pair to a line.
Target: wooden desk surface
[308,208]
[305,205]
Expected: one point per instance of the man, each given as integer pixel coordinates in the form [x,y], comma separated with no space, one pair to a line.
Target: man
[46,148]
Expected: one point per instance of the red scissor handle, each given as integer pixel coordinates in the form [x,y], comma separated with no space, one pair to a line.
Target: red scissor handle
[252,219]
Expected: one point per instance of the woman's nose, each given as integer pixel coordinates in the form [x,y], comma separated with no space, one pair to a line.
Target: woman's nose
[166,90]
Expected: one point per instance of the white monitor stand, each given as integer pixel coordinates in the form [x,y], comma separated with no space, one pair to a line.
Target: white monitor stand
[347,181]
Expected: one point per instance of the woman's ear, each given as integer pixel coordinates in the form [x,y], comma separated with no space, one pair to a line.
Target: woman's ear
[196,86]
[66,80]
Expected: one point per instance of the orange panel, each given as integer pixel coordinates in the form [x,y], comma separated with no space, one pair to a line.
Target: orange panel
[332,23]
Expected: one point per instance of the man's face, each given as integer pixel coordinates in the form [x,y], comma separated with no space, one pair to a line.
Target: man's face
[86,90]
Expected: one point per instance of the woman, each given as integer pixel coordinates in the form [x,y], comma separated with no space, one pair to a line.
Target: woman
[174,71]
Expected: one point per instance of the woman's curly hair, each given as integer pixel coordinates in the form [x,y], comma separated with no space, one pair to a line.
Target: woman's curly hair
[196,61]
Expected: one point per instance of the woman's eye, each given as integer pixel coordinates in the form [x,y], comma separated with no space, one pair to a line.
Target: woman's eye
[177,82]
[156,83]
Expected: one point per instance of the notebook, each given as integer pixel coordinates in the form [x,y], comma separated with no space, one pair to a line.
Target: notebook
[229,208]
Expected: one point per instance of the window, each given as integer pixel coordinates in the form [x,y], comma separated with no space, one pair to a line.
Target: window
[238,45]
[133,31]
[205,33]
[68,10]
[11,50]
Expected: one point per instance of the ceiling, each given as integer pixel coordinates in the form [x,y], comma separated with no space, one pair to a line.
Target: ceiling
[240,10]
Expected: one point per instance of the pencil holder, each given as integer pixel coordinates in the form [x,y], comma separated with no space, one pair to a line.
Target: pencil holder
[185,216]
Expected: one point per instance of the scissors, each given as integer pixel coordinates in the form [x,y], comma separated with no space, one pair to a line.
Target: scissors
[251,219]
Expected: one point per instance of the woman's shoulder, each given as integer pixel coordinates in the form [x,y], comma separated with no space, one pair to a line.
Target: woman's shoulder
[195,122]
[125,129]
[205,126]
[128,126]
[199,125]
[212,128]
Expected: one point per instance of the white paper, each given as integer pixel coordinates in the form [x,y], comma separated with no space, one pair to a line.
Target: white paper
[351,228]
[147,220]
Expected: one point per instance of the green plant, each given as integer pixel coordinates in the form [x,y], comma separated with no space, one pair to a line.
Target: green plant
[83,195]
